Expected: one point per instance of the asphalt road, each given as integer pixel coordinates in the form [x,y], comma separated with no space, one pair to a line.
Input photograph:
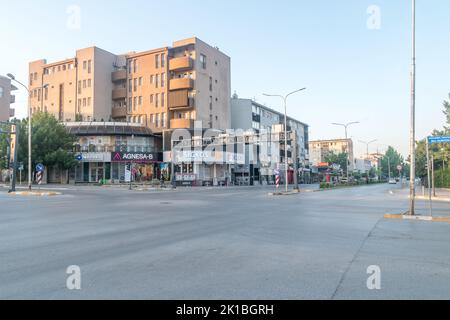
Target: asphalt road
[236,243]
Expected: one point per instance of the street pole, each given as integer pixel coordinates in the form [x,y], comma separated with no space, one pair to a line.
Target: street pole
[389,165]
[295,156]
[346,138]
[29,129]
[429,178]
[284,98]
[412,183]
[432,176]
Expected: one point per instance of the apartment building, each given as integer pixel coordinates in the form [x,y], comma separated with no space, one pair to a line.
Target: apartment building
[319,149]
[247,114]
[6,99]
[163,89]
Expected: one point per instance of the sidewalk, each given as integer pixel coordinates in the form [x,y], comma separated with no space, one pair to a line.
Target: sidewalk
[441,195]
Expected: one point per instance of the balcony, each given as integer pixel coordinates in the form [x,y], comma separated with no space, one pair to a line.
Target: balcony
[119,112]
[119,75]
[181,83]
[119,94]
[179,100]
[180,64]
[181,124]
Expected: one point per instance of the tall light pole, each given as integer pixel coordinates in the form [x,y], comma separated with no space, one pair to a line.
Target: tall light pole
[29,128]
[367,153]
[412,182]
[284,98]
[346,138]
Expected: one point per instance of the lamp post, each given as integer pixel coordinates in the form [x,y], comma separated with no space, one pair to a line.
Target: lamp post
[284,98]
[346,138]
[13,78]
[412,182]
[29,129]
[367,150]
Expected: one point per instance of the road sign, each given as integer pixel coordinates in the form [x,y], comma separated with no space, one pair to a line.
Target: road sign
[433,140]
[79,157]
[20,168]
[276,172]
[39,177]
[40,168]
[399,168]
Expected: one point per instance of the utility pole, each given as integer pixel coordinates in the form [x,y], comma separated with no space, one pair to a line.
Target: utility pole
[348,145]
[432,176]
[412,182]
[284,98]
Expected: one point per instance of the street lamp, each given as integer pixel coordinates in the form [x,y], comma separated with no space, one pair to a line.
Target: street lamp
[346,138]
[284,98]
[13,78]
[367,145]
[412,138]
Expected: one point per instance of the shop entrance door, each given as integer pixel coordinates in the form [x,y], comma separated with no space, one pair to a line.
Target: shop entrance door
[97,171]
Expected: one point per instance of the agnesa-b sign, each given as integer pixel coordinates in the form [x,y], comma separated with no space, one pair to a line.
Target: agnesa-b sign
[134,156]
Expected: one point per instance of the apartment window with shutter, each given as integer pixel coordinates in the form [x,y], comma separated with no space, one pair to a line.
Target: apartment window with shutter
[163,60]
[135,65]
[151,98]
[157,81]
[163,80]
[135,84]
[89,66]
[157,61]
[157,100]
[162,99]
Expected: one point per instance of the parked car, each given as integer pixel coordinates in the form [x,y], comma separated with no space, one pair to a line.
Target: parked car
[392,181]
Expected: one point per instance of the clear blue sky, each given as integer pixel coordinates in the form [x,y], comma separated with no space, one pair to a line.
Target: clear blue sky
[352,73]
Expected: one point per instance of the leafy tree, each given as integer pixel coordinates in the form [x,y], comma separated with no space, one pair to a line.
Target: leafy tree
[394,158]
[52,145]
[337,159]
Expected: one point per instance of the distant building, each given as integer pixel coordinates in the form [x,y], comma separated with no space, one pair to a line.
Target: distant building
[320,149]
[6,99]
[362,166]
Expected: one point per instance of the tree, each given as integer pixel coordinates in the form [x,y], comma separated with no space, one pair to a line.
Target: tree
[337,159]
[52,145]
[447,112]
[395,159]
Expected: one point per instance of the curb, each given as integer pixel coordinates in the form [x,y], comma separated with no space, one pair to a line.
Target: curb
[416,218]
[290,193]
[35,194]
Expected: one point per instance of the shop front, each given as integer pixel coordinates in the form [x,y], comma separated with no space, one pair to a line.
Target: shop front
[93,167]
[144,167]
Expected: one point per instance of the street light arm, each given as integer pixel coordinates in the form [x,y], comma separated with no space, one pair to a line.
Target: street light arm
[293,92]
[17,81]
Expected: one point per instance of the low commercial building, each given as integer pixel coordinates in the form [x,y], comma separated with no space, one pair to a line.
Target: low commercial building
[115,152]
[6,99]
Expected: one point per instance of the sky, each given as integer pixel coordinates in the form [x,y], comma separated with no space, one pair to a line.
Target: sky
[354,56]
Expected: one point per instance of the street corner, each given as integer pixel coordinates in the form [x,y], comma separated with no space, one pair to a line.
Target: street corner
[407,217]
[34,193]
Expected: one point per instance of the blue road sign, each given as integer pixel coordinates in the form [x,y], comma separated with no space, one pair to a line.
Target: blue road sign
[79,157]
[40,167]
[433,140]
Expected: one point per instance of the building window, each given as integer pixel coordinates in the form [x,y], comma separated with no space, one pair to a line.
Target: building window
[89,66]
[130,105]
[134,103]
[84,102]
[1,92]
[89,101]
[151,98]
[84,84]
[157,81]
[130,85]
[152,118]
[163,60]
[162,99]
[140,100]
[158,120]
[152,79]
[79,87]
[163,80]
[129,66]
[89,83]
[210,84]
[203,61]
[135,84]
[140,81]
[84,65]
[157,61]
[135,65]
[157,100]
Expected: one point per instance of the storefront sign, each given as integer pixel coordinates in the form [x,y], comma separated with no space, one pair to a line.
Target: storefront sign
[96,157]
[186,177]
[141,157]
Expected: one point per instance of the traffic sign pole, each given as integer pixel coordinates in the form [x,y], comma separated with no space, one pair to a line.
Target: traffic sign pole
[429,178]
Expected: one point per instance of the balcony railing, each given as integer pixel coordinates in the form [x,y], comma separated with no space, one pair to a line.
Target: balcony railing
[182,63]
[119,94]
[119,112]
[180,99]
[181,124]
[119,75]
[181,83]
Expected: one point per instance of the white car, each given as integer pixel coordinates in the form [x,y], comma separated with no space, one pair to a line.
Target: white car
[392,181]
